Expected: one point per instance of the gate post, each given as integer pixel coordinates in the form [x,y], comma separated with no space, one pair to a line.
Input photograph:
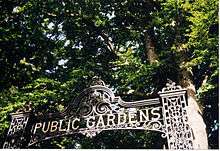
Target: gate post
[16,133]
[177,128]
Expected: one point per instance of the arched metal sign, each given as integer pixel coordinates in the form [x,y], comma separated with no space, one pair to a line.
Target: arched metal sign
[97,109]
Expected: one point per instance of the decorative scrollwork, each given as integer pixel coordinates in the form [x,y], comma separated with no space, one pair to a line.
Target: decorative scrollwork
[90,133]
[153,125]
[98,109]
[15,137]
[18,123]
[178,131]
[94,103]
[102,108]
[97,81]
[171,86]
[86,110]
[26,108]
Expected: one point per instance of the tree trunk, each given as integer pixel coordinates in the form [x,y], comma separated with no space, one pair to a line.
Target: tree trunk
[196,122]
[185,78]
[195,118]
[150,48]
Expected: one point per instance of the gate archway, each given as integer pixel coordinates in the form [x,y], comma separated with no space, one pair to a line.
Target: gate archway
[97,109]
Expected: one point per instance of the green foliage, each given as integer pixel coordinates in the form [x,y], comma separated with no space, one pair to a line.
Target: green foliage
[50,50]
[133,76]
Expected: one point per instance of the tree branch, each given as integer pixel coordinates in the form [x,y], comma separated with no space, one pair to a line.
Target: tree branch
[150,48]
[107,41]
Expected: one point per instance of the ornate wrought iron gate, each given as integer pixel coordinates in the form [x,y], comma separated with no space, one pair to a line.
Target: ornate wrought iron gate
[97,109]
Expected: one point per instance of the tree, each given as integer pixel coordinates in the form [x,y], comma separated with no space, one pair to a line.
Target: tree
[50,50]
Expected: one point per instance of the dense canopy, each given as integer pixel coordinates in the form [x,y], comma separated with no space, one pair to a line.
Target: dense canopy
[50,51]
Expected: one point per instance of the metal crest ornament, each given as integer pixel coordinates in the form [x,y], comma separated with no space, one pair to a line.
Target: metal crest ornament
[97,109]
